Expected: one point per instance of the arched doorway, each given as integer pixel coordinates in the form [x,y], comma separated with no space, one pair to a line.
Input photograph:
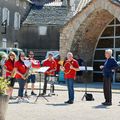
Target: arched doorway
[110,38]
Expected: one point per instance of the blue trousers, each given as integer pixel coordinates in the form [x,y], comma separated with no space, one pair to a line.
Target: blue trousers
[70,85]
[21,83]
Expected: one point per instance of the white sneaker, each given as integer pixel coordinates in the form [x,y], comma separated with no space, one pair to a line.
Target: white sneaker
[18,100]
[25,100]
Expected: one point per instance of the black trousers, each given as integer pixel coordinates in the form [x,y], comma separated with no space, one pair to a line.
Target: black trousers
[47,78]
[107,89]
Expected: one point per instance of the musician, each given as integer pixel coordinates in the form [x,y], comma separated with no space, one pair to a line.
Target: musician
[49,62]
[8,67]
[32,77]
[20,69]
[108,70]
[70,67]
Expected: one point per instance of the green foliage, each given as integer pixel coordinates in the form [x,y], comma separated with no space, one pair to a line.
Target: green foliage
[3,85]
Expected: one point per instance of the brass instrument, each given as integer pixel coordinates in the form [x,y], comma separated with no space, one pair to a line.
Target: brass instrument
[27,74]
[28,64]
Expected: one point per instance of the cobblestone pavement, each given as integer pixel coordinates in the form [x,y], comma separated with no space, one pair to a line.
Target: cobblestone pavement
[55,109]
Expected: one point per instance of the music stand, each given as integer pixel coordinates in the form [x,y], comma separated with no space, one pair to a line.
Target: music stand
[52,79]
[40,71]
[86,69]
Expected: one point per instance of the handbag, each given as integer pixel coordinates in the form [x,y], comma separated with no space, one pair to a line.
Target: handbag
[89,97]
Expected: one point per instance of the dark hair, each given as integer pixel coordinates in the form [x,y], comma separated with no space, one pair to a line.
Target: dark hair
[20,57]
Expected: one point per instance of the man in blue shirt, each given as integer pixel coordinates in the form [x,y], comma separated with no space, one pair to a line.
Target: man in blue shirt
[108,69]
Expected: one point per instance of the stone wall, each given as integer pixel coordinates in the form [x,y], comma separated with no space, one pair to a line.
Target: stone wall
[81,33]
[12,7]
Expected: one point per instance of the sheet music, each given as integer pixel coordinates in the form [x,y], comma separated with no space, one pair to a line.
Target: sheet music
[27,63]
[42,69]
[82,68]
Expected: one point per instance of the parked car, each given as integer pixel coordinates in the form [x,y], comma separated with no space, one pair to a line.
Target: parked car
[8,50]
[2,53]
[55,54]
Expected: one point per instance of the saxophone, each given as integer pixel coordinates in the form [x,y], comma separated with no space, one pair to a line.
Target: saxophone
[28,72]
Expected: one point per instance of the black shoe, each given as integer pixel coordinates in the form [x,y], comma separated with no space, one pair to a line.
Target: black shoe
[107,103]
[68,102]
[26,94]
[32,93]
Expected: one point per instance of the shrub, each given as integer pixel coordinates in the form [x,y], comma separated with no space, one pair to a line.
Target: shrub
[3,85]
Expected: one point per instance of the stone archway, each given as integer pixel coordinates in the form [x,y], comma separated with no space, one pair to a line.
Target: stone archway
[81,33]
[68,32]
[85,38]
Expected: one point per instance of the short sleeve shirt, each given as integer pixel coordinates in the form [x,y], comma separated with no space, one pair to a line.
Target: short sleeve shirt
[70,73]
[51,64]
[9,67]
[21,68]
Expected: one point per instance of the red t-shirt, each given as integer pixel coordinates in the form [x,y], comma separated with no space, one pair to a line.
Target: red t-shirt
[9,64]
[20,68]
[70,73]
[58,65]
[35,63]
[51,64]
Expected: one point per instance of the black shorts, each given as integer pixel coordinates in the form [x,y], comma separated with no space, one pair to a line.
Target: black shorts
[31,79]
[12,82]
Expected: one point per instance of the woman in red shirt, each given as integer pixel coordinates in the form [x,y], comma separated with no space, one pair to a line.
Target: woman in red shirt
[9,66]
[20,70]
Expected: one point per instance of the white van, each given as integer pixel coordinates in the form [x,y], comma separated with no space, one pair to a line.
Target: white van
[55,54]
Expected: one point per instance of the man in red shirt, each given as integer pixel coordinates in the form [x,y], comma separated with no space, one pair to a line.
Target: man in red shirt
[70,67]
[32,77]
[49,62]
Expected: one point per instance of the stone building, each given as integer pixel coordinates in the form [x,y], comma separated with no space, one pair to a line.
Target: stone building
[42,26]
[12,14]
[85,27]
[90,31]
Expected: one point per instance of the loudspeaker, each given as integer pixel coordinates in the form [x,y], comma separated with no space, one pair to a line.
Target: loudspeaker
[89,97]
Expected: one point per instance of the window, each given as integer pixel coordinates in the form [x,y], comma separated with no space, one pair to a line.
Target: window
[16,45]
[17,21]
[42,30]
[5,16]
[17,2]
[106,43]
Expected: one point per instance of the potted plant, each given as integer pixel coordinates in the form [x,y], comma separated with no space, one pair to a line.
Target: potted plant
[3,97]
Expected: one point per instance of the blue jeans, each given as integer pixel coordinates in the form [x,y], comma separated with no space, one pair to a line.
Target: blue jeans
[21,83]
[70,85]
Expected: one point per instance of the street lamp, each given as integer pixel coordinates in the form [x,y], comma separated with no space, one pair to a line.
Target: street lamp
[4,25]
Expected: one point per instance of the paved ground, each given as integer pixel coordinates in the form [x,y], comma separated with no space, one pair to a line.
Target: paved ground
[55,109]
